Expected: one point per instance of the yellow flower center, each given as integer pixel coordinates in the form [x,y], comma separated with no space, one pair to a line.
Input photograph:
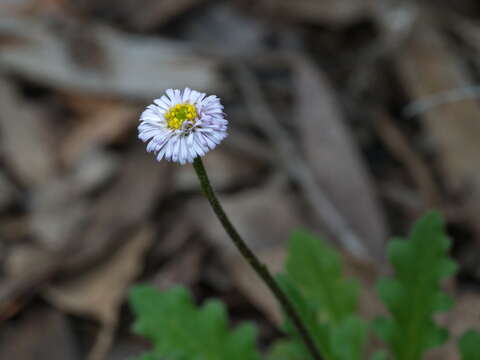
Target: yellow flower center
[180,113]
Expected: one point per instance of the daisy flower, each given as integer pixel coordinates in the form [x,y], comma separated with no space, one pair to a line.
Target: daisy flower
[183,124]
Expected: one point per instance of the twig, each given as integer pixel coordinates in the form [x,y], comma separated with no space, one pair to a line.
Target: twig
[103,341]
[425,104]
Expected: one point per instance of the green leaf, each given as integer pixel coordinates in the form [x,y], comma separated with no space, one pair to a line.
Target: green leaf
[287,350]
[179,330]
[316,268]
[384,328]
[348,338]
[469,345]
[148,357]
[379,355]
[414,295]
[324,298]
[308,313]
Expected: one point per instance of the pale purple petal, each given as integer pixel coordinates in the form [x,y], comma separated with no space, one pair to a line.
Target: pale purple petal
[194,138]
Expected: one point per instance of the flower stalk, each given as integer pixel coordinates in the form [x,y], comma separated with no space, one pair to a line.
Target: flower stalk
[261,270]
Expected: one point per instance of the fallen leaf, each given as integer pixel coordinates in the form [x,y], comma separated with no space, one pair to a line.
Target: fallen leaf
[329,12]
[59,208]
[226,169]
[152,13]
[26,145]
[367,274]
[56,211]
[40,333]
[334,157]
[8,192]
[93,169]
[23,259]
[124,205]
[402,149]
[220,25]
[99,293]
[105,124]
[183,268]
[131,66]
[427,67]
[287,154]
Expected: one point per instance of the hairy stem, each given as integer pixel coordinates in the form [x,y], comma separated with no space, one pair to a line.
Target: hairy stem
[251,258]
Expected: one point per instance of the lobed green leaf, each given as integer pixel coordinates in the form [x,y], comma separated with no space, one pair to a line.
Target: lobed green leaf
[414,295]
[324,298]
[469,345]
[179,330]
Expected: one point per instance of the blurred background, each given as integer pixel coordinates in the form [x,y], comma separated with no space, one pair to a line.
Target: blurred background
[350,118]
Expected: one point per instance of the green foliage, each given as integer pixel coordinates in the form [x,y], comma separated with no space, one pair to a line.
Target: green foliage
[413,296]
[287,350]
[179,330]
[469,345]
[326,301]
[380,355]
[324,298]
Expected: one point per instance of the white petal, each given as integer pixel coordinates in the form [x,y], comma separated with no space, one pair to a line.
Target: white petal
[161,153]
[186,95]
[171,95]
[169,148]
[161,103]
[194,95]
[193,138]
[178,96]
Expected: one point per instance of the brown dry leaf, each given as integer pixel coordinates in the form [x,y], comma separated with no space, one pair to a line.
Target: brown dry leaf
[115,63]
[26,145]
[23,260]
[470,33]
[286,152]
[95,167]
[13,6]
[264,217]
[154,13]
[366,273]
[428,67]
[183,268]
[26,268]
[99,293]
[56,211]
[8,192]
[400,147]
[59,208]
[41,333]
[42,7]
[222,24]
[124,205]
[330,12]
[244,143]
[120,209]
[334,157]
[13,228]
[226,169]
[148,17]
[254,289]
[103,125]
[174,238]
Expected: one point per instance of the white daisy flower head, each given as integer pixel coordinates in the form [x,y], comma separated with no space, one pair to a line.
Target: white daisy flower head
[183,124]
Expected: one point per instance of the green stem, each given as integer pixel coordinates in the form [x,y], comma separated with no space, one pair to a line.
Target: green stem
[252,259]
